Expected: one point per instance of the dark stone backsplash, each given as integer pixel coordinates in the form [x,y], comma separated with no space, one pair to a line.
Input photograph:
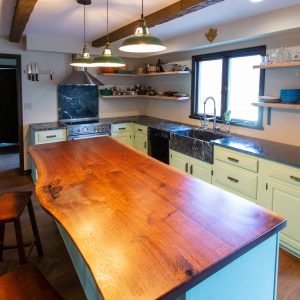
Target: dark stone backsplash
[76,102]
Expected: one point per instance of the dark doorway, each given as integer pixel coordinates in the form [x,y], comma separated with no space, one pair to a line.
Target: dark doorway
[11,121]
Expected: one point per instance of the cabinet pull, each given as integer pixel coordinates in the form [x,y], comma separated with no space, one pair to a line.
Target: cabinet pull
[267,186]
[121,128]
[191,169]
[186,167]
[139,129]
[295,178]
[232,179]
[51,136]
[145,145]
[233,159]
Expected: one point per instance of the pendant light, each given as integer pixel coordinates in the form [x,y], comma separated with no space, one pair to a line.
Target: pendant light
[83,59]
[107,59]
[142,41]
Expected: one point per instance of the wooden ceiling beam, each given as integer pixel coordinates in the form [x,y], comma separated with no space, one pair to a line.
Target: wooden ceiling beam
[22,14]
[171,12]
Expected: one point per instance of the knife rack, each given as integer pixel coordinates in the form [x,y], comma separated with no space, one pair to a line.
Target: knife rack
[50,73]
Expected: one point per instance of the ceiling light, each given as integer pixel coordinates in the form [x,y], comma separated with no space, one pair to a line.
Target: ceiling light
[107,59]
[142,41]
[256,1]
[83,59]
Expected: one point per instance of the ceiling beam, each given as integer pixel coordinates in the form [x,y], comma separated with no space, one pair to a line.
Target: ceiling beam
[171,12]
[22,14]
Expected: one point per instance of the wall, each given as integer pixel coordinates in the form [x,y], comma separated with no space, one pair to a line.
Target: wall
[284,122]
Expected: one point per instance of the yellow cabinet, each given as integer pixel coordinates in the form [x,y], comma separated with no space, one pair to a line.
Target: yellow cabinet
[190,165]
[140,141]
[123,133]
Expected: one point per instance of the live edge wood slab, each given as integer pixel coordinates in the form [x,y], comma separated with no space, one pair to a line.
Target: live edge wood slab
[144,229]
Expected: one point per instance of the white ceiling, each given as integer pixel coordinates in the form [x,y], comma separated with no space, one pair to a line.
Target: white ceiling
[64,18]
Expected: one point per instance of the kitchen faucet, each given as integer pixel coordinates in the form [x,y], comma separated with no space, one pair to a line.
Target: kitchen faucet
[204,124]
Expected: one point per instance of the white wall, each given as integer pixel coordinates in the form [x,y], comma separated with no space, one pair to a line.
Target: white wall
[285,123]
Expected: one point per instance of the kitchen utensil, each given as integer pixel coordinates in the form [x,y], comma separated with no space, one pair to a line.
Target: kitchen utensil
[32,72]
[29,72]
[36,72]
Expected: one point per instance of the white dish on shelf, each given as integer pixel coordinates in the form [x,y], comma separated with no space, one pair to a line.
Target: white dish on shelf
[269,99]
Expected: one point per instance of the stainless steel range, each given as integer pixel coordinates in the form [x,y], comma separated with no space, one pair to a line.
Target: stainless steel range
[83,129]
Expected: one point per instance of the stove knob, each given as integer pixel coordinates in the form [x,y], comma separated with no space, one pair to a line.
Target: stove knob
[84,129]
[78,130]
[96,129]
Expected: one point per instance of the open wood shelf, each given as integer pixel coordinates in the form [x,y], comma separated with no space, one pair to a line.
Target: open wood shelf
[146,74]
[278,65]
[145,97]
[269,106]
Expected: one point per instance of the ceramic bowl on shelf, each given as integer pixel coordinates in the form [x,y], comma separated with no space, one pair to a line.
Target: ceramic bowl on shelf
[290,96]
[169,67]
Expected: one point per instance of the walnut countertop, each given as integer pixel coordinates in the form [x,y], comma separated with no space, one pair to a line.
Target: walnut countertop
[144,229]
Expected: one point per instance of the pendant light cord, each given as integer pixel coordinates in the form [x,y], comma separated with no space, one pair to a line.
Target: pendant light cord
[84,25]
[107,36]
[142,9]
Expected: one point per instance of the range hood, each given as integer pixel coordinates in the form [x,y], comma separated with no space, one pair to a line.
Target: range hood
[80,76]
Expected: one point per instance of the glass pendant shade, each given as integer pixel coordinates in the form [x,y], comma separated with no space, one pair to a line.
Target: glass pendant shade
[107,59]
[142,41]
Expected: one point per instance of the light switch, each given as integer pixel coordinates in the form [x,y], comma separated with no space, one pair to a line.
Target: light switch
[27,106]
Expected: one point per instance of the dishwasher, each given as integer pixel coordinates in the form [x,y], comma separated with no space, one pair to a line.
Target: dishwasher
[158,143]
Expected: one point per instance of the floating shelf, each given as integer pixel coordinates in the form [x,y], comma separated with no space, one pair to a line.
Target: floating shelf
[146,74]
[278,65]
[146,97]
[269,106]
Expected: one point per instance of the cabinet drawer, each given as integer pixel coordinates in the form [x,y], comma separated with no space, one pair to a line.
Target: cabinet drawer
[284,173]
[236,159]
[50,136]
[236,179]
[122,127]
[140,129]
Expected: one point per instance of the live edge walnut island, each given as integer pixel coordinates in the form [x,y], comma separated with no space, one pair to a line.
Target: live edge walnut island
[144,229]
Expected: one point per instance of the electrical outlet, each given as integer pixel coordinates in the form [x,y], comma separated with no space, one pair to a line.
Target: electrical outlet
[27,106]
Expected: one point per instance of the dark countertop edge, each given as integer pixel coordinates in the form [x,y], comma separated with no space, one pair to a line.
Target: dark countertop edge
[198,278]
[47,126]
[273,159]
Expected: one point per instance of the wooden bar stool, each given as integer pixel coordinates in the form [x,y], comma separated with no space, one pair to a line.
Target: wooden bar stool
[26,282]
[11,207]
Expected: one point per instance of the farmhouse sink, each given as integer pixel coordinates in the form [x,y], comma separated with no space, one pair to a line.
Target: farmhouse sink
[196,143]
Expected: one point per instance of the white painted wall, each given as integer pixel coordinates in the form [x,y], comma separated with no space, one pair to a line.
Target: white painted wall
[285,123]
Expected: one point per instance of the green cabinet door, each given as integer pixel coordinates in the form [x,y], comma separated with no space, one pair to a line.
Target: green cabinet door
[140,143]
[124,137]
[285,200]
[179,161]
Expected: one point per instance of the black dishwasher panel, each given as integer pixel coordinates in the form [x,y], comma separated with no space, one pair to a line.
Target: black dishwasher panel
[159,144]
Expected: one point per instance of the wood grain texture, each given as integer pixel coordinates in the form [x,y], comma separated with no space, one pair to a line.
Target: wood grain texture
[145,230]
[22,14]
[171,12]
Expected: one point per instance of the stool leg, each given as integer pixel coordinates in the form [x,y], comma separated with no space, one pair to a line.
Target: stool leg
[35,231]
[2,231]
[20,244]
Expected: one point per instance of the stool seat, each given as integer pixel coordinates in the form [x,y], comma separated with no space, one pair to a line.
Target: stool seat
[26,282]
[12,205]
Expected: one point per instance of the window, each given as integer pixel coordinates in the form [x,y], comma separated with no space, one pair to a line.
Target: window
[229,77]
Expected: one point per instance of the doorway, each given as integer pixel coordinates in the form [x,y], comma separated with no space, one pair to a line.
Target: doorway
[11,121]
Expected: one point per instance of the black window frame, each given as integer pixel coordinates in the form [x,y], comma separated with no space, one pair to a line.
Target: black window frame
[225,56]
